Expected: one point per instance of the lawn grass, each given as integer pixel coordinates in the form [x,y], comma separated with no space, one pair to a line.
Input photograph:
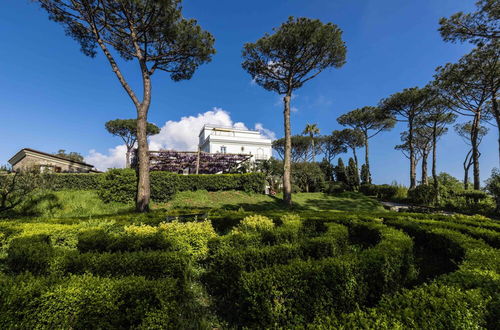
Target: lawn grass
[234,200]
[74,205]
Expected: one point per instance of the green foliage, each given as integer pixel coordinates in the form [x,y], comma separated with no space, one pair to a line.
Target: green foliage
[353,175]
[308,176]
[32,253]
[293,294]
[479,27]
[384,192]
[255,223]
[365,175]
[410,309]
[341,172]
[324,270]
[301,148]
[422,194]
[493,187]
[191,237]
[150,264]
[91,302]
[75,181]
[74,156]
[16,187]
[268,59]
[120,185]
[127,130]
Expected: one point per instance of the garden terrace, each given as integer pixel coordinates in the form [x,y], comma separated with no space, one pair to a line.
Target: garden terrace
[193,162]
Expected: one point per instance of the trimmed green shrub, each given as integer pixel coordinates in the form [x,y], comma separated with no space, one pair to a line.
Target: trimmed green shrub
[119,185]
[388,266]
[337,187]
[429,307]
[90,302]
[191,237]
[292,295]
[422,195]
[99,240]
[32,253]
[75,181]
[150,264]
[384,191]
[255,223]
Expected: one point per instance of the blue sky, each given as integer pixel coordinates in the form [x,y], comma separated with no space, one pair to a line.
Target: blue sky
[53,97]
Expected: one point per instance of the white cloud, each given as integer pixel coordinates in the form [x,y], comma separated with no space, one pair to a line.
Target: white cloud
[182,135]
[264,131]
[114,159]
[179,135]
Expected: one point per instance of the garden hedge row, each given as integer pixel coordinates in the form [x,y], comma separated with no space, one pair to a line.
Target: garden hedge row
[465,298]
[92,302]
[120,185]
[150,264]
[286,285]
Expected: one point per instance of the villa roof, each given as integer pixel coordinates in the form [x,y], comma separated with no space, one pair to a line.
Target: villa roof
[11,160]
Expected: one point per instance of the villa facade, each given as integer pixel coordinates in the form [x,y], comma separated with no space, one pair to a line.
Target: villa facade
[229,140]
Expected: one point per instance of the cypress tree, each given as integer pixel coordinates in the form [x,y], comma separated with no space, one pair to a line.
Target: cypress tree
[340,172]
[352,175]
[365,174]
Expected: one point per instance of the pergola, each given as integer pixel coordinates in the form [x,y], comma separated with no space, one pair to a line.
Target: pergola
[193,162]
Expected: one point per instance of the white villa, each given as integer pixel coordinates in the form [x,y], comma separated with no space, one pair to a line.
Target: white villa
[229,140]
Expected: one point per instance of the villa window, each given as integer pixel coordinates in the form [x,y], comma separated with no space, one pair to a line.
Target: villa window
[223,150]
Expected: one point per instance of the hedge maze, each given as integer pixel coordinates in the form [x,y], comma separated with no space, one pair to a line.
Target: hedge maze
[317,270]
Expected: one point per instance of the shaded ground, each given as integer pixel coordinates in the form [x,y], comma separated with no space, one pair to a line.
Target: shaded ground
[234,200]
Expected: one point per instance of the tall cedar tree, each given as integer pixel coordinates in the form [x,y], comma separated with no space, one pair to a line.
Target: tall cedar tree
[368,119]
[469,86]
[353,175]
[481,27]
[298,51]
[312,130]
[127,130]
[436,118]
[151,32]
[350,138]
[464,130]
[406,106]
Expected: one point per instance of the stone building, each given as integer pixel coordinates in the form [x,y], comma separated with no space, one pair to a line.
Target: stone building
[29,159]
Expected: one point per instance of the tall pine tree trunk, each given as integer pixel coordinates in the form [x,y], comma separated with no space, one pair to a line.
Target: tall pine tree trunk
[355,157]
[496,113]
[367,161]
[127,157]
[434,163]
[467,165]
[425,177]
[287,185]
[413,162]
[143,182]
[475,149]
